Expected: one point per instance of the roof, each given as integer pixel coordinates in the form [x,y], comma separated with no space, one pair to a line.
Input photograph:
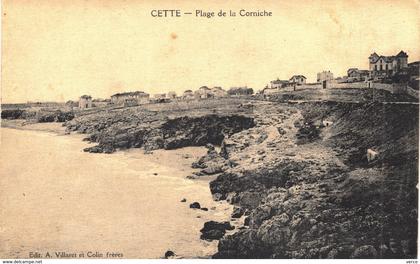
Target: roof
[187,91]
[86,97]
[279,81]
[402,54]
[298,76]
[217,88]
[204,88]
[356,70]
[385,58]
[131,94]
[375,57]
[238,87]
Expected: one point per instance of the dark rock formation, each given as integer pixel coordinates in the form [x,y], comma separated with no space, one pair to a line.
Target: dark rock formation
[212,129]
[214,230]
[238,212]
[308,132]
[195,205]
[211,163]
[41,116]
[12,114]
[169,254]
[122,131]
[365,252]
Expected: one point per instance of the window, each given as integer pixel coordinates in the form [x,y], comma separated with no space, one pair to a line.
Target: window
[376,67]
[386,67]
[380,67]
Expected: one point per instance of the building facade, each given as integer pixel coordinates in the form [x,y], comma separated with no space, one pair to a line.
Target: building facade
[130,102]
[188,94]
[203,92]
[324,76]
[128,97]
[354,75]
[276,84]
[236,91]
[297,79]
[413,69]
[385,66]
[85,101]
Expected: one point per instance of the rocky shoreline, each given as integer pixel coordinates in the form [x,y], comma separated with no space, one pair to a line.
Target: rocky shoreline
[152,134]
[317,196]
[297,174]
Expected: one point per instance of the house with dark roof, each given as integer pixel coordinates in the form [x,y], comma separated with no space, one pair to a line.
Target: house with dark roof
[354,74]
[188,94]
[383,66]
[278,83]
[242,90]
[129,98]
[203,92]
[298,79]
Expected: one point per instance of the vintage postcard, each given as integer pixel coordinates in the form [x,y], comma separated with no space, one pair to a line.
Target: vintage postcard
[136,129]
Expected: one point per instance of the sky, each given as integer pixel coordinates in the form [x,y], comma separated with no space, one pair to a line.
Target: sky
[54,50]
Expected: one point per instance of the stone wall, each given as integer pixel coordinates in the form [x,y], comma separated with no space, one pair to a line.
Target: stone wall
[309,86]
[354,85]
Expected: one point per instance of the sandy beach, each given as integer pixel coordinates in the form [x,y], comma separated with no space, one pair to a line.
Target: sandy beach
[61,199]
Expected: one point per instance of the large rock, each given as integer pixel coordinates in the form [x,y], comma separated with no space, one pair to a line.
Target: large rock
[237,212]
[212,169]
[275,231]
[365,252]
[215,230]
[195,205]
[242,244]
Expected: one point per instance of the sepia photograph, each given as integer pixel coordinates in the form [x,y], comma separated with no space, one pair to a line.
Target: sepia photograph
[136,129]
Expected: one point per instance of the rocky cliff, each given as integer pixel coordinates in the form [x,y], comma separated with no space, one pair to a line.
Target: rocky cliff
[308,190]
[150,130]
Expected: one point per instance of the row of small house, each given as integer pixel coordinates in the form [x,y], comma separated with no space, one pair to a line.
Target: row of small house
[381,69]
[353,75]
[140,97]
[323,77]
